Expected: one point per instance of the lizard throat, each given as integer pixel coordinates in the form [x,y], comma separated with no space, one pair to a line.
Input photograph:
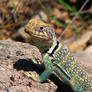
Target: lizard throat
[51,53]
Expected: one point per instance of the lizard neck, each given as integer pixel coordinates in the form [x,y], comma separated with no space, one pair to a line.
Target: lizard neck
[56,45]
[44,49]
[51,47]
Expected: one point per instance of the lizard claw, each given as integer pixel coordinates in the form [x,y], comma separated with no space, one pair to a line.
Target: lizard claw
[30,75]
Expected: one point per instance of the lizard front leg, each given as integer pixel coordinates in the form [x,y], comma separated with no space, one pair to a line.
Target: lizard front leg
[40,78]
[35,62]
[47,72]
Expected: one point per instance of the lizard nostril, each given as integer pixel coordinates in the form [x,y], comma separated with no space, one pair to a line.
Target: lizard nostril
[26,31]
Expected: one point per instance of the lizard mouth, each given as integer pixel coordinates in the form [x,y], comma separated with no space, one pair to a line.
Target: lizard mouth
[40,36]
[37,35]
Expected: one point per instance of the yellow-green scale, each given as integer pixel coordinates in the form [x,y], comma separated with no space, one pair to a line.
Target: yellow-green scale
[64,59]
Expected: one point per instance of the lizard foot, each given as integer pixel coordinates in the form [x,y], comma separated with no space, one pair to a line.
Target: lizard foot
[32,75]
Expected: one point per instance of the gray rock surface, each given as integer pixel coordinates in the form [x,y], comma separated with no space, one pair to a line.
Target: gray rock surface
[14,61]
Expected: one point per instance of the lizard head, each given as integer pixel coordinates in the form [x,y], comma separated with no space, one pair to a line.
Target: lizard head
[42,35]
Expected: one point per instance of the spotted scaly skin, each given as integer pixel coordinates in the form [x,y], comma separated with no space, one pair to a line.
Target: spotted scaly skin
[75,74]
[57,58]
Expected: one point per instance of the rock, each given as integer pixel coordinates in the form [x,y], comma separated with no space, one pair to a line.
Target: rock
[17,89]
[89,49]
[21,35]
[78,44]
[41,15]
[15,60]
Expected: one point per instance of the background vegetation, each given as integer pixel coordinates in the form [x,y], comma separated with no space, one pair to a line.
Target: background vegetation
[14,14]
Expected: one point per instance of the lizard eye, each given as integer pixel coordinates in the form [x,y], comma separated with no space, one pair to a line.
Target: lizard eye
[41,27]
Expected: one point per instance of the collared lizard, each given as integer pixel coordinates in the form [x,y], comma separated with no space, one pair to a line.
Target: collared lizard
[56,57]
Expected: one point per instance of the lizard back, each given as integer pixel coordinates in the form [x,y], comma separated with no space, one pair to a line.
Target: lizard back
[77,76]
